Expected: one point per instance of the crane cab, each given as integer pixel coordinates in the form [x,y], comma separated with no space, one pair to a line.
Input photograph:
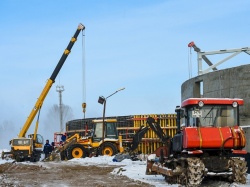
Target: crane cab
[22,148]
[38,143]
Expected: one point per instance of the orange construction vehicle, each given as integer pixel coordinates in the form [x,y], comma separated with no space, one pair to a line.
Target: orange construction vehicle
[210,143]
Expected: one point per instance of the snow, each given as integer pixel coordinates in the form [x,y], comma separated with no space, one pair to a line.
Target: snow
[132,169]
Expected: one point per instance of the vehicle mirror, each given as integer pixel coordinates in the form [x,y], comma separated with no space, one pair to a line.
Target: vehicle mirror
[182,113]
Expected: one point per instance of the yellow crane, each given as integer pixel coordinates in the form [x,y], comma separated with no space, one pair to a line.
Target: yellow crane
[30,148]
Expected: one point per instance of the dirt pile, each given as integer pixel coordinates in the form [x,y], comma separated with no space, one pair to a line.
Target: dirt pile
[56,174]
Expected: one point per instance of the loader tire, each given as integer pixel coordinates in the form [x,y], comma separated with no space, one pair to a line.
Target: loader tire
[77,151]
[107,148]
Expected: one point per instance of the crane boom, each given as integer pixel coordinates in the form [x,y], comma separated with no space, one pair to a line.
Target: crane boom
[49,83]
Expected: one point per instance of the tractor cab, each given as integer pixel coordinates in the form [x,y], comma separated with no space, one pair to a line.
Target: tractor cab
[211,112]
[209,124]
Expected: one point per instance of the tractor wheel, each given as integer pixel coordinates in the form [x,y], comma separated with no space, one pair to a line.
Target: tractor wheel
[107,148]
[76,151]
[17,158]
[239,169]
[195,171]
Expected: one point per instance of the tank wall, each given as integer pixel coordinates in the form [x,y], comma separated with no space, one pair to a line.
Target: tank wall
[227,83]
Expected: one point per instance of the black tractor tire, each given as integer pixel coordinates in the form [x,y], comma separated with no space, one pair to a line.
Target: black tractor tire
[33,159]
[17,158]
[77,151]
[107,148]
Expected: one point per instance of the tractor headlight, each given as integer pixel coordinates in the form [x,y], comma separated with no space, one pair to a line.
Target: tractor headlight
[235,104]
[201,103]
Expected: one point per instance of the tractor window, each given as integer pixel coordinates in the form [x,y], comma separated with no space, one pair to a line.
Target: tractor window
[212,116]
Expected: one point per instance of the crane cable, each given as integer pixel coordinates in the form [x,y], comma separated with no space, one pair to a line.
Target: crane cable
[83,74]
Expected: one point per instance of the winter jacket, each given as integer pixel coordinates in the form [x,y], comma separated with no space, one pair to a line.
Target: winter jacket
[47,148]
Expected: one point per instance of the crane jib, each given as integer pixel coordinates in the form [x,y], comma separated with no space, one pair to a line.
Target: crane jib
[49,83]
[66,52]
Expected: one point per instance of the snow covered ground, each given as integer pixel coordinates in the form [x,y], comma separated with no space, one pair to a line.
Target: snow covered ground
[134,170]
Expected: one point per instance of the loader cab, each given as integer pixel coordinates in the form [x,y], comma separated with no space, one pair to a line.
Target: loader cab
[211,112]
[110,129]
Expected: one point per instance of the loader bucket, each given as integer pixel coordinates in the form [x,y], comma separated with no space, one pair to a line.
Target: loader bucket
[54,156]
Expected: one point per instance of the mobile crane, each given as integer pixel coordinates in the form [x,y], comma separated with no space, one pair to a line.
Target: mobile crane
[30,148]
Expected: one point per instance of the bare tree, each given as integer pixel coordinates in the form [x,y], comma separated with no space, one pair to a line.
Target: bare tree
[7,132]
[52,122]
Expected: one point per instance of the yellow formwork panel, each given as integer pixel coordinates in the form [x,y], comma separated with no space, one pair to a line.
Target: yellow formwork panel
[151,141]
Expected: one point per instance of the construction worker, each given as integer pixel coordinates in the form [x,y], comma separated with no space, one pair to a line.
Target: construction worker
[64,137]
[47,149]
[53,145]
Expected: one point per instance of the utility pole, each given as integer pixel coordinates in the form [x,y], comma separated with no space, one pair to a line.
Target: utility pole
[103,100]
[60,89]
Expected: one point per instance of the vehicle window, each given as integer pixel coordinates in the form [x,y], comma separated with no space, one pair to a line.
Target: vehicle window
[111,130]
[212,115]
[39,139]
[98,130]
[20,142]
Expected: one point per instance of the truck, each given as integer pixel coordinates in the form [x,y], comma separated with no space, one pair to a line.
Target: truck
[30,148]
[209,142]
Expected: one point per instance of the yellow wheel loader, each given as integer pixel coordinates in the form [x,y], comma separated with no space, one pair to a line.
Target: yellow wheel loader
[94,144]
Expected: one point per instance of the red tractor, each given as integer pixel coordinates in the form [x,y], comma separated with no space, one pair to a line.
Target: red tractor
[208,142]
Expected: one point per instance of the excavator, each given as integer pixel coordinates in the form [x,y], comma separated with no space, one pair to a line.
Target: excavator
[30,148]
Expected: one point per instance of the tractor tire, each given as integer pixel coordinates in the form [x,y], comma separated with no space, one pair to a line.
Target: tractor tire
[195,172]
[239,169]
[107,148]
[33,159]
[77,151]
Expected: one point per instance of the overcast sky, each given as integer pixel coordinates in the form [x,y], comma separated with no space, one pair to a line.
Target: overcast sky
[137,44]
